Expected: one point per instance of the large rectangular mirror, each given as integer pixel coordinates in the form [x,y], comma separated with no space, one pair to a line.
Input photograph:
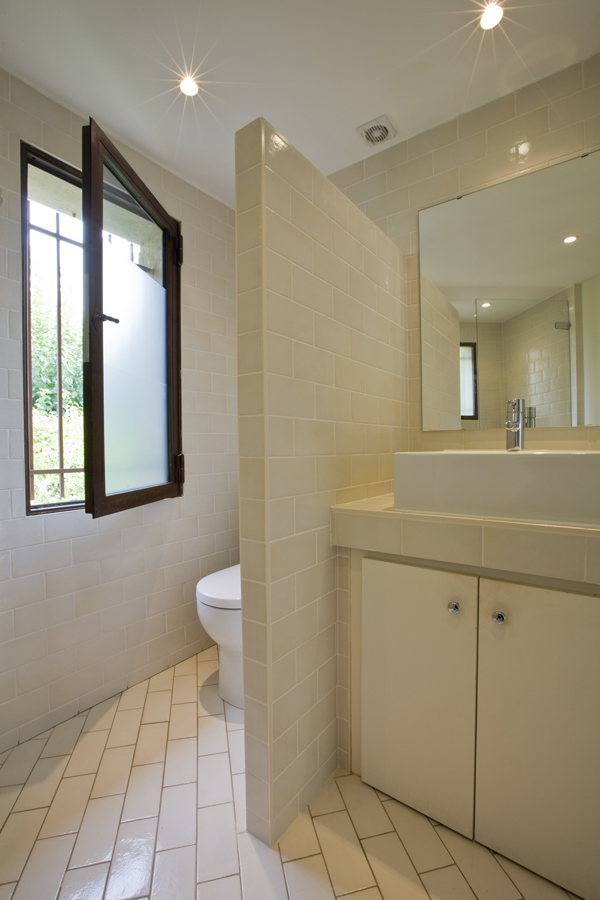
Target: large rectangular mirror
[509,307]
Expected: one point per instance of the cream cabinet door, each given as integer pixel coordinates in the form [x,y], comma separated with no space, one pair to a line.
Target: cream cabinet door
[418,688]
[538,732]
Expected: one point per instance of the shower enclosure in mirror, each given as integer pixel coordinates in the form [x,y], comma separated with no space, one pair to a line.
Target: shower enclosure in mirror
[509,307]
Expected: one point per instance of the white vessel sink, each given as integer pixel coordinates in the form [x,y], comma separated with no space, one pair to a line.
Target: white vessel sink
[531,486]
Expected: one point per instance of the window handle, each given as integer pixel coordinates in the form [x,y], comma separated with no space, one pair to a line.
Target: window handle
[100,317]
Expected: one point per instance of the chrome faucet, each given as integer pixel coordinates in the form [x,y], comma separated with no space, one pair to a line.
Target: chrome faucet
[515,424]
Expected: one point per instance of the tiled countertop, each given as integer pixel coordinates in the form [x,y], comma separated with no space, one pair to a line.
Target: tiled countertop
[562,556]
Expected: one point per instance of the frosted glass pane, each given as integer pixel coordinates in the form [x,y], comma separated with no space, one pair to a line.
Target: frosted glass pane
[135,380]
[467,382]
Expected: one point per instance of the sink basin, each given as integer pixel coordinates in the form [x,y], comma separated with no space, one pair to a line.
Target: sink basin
[548,486]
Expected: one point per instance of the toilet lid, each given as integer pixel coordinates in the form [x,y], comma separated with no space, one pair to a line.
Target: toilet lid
[221,589]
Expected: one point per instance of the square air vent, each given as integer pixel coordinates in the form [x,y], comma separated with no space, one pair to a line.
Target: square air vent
[377,130]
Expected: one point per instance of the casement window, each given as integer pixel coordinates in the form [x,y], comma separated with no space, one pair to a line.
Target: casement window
[468,381]
[101,276]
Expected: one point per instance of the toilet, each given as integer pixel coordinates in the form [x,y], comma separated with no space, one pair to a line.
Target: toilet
[219,605]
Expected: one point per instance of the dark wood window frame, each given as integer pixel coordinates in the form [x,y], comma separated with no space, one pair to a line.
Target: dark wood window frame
[98,149]
[473,344]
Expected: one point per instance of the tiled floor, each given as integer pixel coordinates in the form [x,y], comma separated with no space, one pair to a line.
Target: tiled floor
[143,797]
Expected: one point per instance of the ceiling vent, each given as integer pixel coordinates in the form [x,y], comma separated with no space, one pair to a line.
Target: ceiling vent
[377,130]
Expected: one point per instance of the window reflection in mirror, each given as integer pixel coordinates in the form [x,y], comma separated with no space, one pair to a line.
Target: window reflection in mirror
[496,272]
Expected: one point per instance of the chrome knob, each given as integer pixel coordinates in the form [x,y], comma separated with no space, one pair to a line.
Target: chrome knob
[499,617]
[453,607]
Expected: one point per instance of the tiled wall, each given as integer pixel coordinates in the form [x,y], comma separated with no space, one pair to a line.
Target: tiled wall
[440,355]
[322,397]
[539,125]
[490,374]
[536,360]
[88,607]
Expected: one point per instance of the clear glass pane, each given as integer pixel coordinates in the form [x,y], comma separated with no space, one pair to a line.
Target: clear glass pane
[46,489]
[135,379]
[74,487]
[467,382]
[44,349]
[70,227]
[42,216]
[71,308]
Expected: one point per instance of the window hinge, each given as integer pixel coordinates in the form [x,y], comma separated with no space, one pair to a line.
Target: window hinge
[179,249]
[180,470]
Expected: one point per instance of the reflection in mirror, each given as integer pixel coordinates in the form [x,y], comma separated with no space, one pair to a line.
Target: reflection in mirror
[508,308]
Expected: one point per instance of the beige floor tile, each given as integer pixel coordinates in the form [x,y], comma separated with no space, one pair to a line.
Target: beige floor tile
[98,832]
[4,756]
[239,802]
[393,870]
[308,878]
[233,716]
[7,890]
[211,653]
[142,800]
[42,784]
[177,821]
[446,884]
[214,780]
[43,874]
[113,774]
[64,737]
[100,717]
[365,808]
[151,745]
[299,839]
[187,667]
[131,867]
[8,798]
[209,702]
[134,697]
[68,806]
[84,884]
[486,877]
[125,728]
[208,672]
[328,800]
[162,682]
[185,689]
[370,894]
[344,857]
[261,870]
[87,754]
[223,889]
[217,845]
[237,751]
[532,886]
[175,875]
[16,840]
[157,707]
[212,735]
[418,836]
[19,765]
[183,721]
[182,761]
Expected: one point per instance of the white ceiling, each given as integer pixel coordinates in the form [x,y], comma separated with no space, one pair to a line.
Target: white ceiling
[316,69]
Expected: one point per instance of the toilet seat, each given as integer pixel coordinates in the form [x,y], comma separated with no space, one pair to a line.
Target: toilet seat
[222,590]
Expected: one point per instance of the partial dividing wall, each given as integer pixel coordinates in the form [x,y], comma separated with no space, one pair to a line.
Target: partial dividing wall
[88,607]
[322,407]
[541,124]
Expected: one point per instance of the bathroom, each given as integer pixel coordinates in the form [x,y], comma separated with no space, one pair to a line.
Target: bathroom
[93,607]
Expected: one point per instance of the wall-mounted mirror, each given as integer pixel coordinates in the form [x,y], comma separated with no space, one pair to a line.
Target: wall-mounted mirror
[509,308]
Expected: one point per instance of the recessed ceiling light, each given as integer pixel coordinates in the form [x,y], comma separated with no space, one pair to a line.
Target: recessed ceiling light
[570,239]
[188,86]
[491,16]
[486,304]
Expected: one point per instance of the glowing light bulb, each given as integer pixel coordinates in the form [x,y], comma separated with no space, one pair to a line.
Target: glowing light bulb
[486,304]
[188,86]
[570,239]
[491,16]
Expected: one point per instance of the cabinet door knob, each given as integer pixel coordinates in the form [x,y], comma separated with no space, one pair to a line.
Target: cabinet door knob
[453,607]
[499,617]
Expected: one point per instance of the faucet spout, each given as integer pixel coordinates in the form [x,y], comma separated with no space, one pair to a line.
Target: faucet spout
[515,424]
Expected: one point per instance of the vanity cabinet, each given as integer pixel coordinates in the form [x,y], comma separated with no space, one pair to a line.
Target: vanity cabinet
[526,781]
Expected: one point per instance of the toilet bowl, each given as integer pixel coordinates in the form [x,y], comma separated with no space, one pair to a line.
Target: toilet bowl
[219,605]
